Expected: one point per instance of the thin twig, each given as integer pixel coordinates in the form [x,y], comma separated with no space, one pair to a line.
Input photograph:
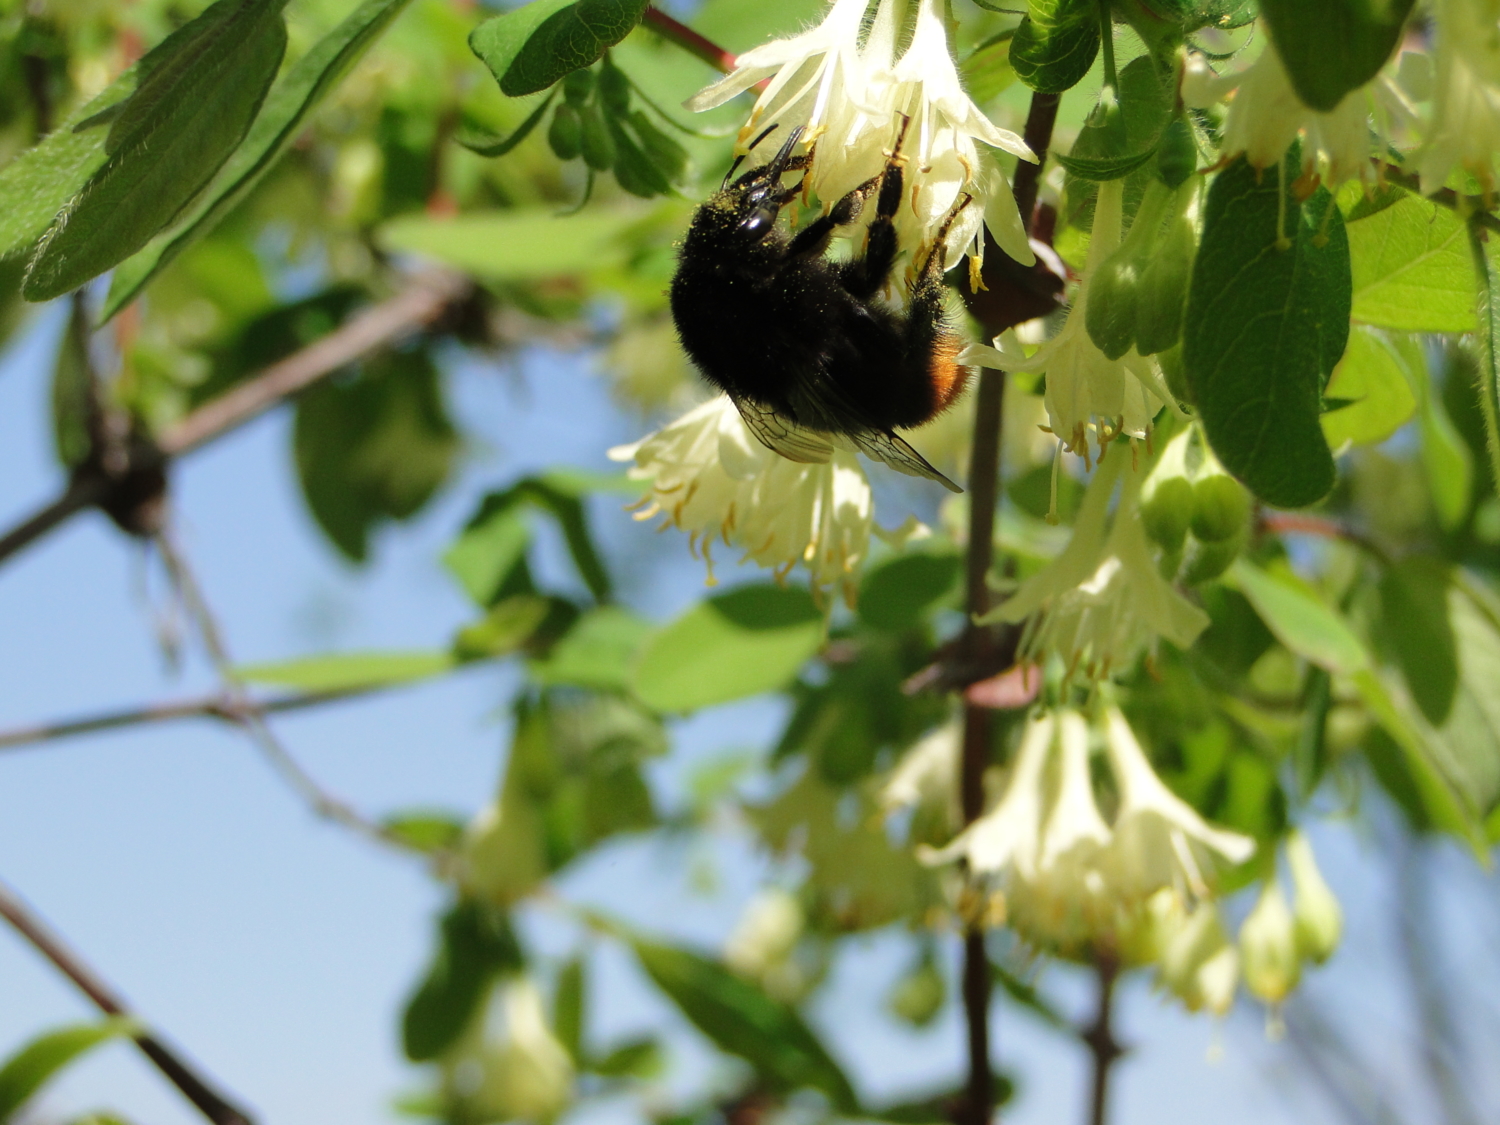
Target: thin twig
[1296,523]
[688,39]
[251,716]
[210,1103]
[221,706]
[428,296]
[1100,1036]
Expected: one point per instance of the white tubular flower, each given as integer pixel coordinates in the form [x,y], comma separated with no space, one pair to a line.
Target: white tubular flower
[1318,916]
[1086,390]
[927,774]
[1465,124]
[849,100]
[527,1075]
[1007,840]
[1101,601]
[711,478]
[1160,841]
[1199,964]
[765,935]
[1268,946]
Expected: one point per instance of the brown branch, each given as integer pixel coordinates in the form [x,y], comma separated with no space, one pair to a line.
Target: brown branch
[980,645]
[98,485]
[1100,1037]
[196,1089]
[1295,523]
[221,706]
[688,39]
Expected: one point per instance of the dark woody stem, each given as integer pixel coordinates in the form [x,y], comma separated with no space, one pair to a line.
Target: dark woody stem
[978,641]
[1100,1037]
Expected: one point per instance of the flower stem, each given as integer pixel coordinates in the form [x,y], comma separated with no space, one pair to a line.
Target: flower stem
[1107,46]
[688,39]
[1100,1036]
[978,641]
[1489,360]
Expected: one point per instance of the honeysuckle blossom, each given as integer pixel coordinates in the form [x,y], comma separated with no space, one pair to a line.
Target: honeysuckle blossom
[1159,840]
[1086,390]
[1268,946]
[1197,961]
[1464,130]
[1103,600]
[711,478]
[526,1075]
[1069,880]
[1266,116]
[849,99]
[1318,916]
[927,774]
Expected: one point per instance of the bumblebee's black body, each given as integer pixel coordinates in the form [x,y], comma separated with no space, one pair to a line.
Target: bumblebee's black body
[800,343]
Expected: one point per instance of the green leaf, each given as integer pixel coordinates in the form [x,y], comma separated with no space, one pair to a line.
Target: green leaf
[427,831]
[73,393]
[169,150]
[1333,46]
[1446,459]
[373,448]
[304,86]
[26,1071]
[1300,619]
[349,671]
[598,652]
[523,244]
[511,623]
[637,1058]
[1411,269]
[1056,44]
[496,537]
[1374,389]
[1415,624]
[1122,132]
[744,1021]
[568,1007]
[747,641]
[529,49]
[1266,322]
[476,945]
[897,594]
[1099,169]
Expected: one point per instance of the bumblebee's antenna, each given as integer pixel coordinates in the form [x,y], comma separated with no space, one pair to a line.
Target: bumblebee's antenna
[740,159]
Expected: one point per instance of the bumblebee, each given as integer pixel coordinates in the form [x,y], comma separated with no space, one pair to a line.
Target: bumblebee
[801,343]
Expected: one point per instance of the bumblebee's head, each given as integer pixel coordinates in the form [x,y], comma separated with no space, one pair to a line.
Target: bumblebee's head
[745,211]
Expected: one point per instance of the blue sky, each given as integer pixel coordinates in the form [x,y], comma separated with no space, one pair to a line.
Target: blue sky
[277,949]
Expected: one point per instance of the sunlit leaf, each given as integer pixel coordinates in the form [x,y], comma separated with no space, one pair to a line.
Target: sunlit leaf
[26,1071]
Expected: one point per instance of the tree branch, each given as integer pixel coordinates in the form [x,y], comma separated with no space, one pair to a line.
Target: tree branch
[422,302]
[1100,1036]
[220,706]
[688,39]
[196,1089]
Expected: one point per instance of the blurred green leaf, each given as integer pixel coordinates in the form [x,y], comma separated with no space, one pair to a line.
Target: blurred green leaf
[26,1071]
[373,448]
[510,624]
[427,831]
[598,652]
[1415,625]
[730,646]
[1410,268]
[349,671]
[638,1058]
[73,392]
[524,244]
[568,1007]
[193,113]
[897,594]
[744,1021]
[475,946]
[1373,390]
[306,83]
[1300,619]
[1446,459]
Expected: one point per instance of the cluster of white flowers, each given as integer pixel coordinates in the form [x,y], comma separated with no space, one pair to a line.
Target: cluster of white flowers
[1102,600]
[710,477]
[849,96]
[1069,880]
[1087,392]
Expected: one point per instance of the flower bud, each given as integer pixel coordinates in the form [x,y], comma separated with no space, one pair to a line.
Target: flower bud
[1177,155]
[1163,290]
[597,146]
[614,89]
[918,997]
[1110,312]
[578,87]
[566,133]
[1199,964]
[1268,946]
[1319,919]
[1203,562]
[1168,512]
[1221,505]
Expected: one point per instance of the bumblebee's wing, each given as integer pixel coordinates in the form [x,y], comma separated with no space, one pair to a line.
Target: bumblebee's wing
[882,445]
[780,434]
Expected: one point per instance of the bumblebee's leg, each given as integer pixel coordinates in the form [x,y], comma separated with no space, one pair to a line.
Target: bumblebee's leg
[863,277]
